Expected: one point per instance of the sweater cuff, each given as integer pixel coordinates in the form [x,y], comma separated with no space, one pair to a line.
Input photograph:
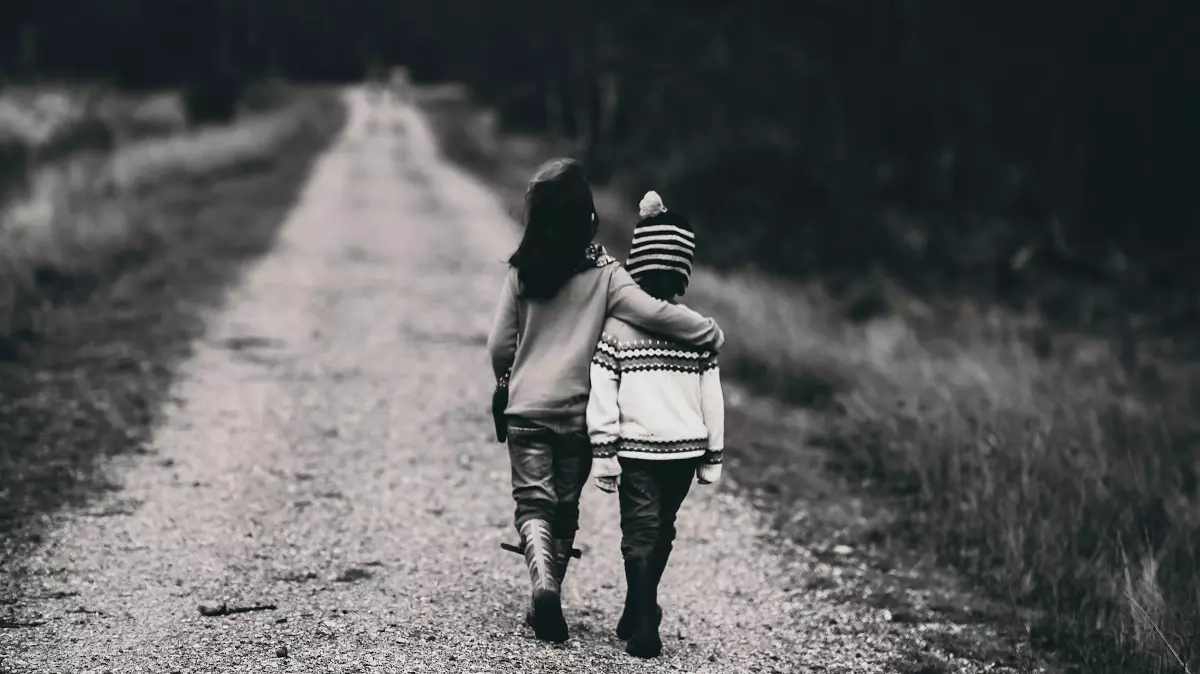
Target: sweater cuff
[604,450]
[714,456]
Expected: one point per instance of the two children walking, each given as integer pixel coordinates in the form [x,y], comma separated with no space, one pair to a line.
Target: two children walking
[606,374]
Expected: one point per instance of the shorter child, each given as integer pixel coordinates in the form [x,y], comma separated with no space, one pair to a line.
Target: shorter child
[655,418]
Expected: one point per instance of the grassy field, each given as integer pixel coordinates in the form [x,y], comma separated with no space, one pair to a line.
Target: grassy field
[1032,459]
[71,220]
[106,270]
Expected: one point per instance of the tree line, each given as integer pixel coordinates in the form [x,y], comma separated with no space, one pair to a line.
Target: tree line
[999,128]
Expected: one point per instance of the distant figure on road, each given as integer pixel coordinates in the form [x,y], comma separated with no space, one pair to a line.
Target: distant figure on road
[656,417]
[559,290]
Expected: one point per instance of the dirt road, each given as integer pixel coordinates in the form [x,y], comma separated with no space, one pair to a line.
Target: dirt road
[328,453]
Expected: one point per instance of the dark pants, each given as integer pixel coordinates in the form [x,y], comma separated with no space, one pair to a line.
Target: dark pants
[550,465]
[651,493]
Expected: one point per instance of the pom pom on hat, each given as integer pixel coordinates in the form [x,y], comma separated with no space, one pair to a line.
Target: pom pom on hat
[651,204]
[661,241]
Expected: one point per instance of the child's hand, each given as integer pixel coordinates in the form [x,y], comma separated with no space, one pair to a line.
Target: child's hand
[708,473]
[606,471]
[718,341]
[607,485]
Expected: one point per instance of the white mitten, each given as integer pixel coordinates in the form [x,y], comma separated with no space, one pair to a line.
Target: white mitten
[708,473]
[606,471]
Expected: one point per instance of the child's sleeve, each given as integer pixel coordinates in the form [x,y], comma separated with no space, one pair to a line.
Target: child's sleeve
[603,414]
[712,404]
[502,340]
[628,302]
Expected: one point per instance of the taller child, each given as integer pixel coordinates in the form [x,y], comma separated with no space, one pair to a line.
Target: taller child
[559,290]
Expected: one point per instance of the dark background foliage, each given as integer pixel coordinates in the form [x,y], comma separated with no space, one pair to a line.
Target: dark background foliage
[933,137]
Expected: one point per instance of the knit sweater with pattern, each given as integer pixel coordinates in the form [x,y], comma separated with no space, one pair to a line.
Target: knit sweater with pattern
[654,399]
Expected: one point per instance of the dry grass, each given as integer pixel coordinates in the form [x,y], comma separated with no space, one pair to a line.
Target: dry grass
[73,220]
[33,115]
[56,120]
[1056,481]
[203,152]
[1051,479]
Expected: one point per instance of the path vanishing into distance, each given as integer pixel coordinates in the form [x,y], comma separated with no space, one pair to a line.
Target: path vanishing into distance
[328,452]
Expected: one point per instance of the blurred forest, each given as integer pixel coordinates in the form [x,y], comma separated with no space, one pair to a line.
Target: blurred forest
[979,147]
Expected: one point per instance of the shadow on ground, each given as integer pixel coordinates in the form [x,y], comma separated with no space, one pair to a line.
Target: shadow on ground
[89,375]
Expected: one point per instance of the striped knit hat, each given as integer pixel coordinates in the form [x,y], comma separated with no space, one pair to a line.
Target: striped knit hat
[661,240]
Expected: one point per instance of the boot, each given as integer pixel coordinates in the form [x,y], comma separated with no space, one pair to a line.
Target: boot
[546,617]
[628,621]
[562,559]
[645,642]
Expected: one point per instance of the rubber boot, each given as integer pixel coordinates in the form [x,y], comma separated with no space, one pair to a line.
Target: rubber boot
[645,641]
[546,617]
[562,559]
[628,621]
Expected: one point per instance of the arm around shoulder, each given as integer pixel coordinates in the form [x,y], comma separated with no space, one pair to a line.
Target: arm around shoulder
[628,302]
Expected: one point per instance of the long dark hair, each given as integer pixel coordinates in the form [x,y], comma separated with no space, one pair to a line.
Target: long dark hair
[560,222]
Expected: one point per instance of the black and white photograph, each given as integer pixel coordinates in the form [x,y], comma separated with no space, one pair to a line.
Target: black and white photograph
[572,336]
